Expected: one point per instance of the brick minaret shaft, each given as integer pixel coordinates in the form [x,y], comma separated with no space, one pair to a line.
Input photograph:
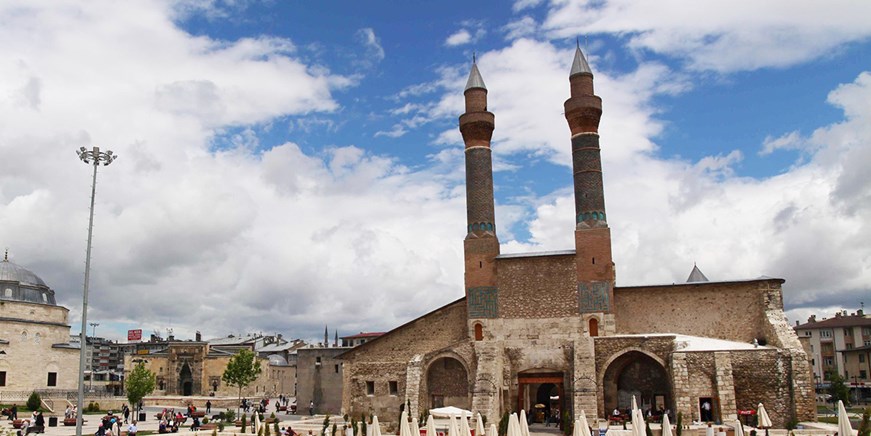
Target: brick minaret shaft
[592,236]
[481,245]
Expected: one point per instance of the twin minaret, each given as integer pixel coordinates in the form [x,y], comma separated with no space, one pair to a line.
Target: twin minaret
[595,268]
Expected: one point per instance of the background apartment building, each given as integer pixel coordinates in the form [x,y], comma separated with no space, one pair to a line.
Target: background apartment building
[840,345]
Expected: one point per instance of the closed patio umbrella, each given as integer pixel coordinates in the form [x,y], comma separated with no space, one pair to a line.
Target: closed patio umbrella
[634,404]
[403,424]
[762,416]
[844,427]
[524,423]
[452,427]
[256,423]
[492,431]
[430,427]
[464,425]
[739,428]
[583,424]
[666,426]
[479,426]
[376,427]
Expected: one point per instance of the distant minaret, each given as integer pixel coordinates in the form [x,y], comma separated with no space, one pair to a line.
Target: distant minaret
[326,337]
[592,236]
[336,340]
[480,245]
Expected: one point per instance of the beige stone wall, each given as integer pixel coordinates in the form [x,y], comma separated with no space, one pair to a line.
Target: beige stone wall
[34,312]
[386,359]
[732,311]
[213,368]
[31,330]
[537,287]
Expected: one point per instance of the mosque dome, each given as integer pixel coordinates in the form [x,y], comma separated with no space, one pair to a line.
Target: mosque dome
[277,359]
[20,284]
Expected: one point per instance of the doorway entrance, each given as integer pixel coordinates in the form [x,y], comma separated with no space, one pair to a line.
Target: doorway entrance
[186,380]
[541,395]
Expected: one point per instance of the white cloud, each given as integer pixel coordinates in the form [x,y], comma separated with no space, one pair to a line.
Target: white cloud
[460,37]
[372,44]
[524,27]
[719,35]
[520,5]
[186,236]
[789,141]
[471,32]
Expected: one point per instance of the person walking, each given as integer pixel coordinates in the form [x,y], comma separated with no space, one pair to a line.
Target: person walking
[131,429]
[311,408]
[208,406]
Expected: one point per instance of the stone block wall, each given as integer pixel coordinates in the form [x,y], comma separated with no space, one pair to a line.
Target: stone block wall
[733,311]
[387,358]
[319,380]
[537,286]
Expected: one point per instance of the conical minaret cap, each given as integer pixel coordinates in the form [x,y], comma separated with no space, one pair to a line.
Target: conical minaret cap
[475,79]
[579,65]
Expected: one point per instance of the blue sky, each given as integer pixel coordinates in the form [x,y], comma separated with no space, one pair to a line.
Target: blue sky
[285,166]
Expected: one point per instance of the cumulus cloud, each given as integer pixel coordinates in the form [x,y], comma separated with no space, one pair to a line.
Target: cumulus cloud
[187,235]
[722,36]
[471,32]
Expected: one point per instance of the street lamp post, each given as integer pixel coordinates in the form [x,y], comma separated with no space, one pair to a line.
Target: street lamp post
[93,336]
[93,157]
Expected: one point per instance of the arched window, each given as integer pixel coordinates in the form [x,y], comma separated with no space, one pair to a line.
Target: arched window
[594,327]
[479,332]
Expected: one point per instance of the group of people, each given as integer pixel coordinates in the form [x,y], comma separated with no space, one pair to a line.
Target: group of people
[34,424]
[650,414]
[110,425]
[71,412]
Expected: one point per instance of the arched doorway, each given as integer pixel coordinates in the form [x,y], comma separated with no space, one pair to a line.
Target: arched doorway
[637,374]
[541,394]
[186,380]
[594,327]
[448,384]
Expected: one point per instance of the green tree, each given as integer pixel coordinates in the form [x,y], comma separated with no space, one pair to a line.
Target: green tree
[139,383]
[242,370]
[838,389]
[34,401]
[864,425]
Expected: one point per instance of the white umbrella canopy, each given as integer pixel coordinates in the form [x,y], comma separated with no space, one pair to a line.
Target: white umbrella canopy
[376,427]
[739,429]
[524,423]
[447,412]
[415,427]
[584,425]
[464,425]
[479,426]
[452,427]
[430,426]
[638,423]
[666,426]
[513,425]
[634,404]
[762,416]
[256,423]
[844,427]
[492,431]
[403,424]
[577,430]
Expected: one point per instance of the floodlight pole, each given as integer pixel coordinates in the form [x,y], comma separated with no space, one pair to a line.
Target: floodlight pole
[91,157]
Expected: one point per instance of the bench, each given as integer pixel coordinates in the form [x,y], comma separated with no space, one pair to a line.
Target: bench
[208,427]
[35,429]
[198,414]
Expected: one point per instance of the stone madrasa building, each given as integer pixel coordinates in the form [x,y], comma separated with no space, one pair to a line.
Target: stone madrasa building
[35,350]
[552,329]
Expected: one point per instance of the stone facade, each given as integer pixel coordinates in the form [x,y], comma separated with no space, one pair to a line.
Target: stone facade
[35,350]
[319,376]
[189,368]
[552,328]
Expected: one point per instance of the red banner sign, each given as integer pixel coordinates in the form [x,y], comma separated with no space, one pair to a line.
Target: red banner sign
[134,335]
